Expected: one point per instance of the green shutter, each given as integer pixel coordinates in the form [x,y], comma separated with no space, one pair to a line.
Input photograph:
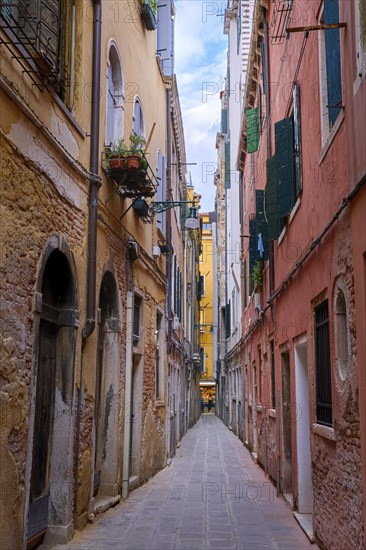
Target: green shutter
[227,166]
[228,320]
[224,121]
[285,166]
[245,282]
[253,251]
[253,133]
[261,223]
[271,200]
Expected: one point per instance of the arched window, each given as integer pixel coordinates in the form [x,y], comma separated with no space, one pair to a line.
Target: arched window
[342,343]
[138,119]
[115,97]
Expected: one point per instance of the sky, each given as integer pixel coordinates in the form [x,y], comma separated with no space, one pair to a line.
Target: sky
[200,66]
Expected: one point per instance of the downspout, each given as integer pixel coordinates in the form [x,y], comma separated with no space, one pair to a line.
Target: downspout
[169,220]
[128,380]
[94,168]
[94,181]
[269,152]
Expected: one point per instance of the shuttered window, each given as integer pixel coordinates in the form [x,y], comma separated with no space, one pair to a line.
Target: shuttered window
[285,166]
[227,166]
[261,223]
[333,61]
[224,121]
[253,251]
[271,200]
[245,283]
[252,126]
[228,320]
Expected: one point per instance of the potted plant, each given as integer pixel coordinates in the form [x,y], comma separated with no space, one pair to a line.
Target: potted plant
[135,157]
[149,10]
[257,276]
[116,154]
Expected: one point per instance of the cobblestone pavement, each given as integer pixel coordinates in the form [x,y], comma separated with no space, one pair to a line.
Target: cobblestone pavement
[212,496]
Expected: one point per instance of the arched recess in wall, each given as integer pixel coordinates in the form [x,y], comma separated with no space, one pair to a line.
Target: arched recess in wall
[341,329]
[115,96]
[138,125]
[50,464]
[107,389]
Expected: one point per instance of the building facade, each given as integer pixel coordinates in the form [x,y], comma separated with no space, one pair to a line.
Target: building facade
[302,179]
[86,352]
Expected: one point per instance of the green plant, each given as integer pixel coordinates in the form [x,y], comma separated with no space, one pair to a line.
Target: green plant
[117,148]
[137,144]
[257,275]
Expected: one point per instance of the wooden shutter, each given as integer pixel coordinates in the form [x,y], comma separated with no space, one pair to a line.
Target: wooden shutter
[227,166]
[253,251]
[297,138]
[228,320]
[285,166]
[224,121]
[271,200]
[252,125]
[245,282]
[165,36]
[261,223]
[333,61]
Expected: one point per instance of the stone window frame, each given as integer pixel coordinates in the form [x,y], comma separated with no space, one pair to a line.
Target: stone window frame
[343,366]
[114,69]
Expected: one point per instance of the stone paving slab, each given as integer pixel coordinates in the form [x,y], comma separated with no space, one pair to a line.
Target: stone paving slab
[211,497]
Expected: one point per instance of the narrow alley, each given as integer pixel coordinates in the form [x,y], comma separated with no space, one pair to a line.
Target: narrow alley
[212,496]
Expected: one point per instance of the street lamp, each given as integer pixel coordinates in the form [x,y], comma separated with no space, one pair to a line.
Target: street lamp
[192,221]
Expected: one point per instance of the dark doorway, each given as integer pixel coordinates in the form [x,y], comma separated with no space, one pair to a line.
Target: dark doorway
[286,424]
[53,397]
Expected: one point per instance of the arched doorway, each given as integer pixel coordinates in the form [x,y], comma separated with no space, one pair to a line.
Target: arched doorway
[107,390]
[50,487]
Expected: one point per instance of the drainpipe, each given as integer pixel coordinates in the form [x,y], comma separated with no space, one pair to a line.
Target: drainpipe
[128,394]
[94,179]
[269,152]
[169,221]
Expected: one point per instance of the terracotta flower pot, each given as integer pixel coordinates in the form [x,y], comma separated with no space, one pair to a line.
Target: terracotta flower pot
[116,161]
[133,162]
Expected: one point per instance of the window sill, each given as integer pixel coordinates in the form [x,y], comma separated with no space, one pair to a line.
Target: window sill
[294,210]
[259,408]
[159,403]
[272,413]
[324,431]
[331,136]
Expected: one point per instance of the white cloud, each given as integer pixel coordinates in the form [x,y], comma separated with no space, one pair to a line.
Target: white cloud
[200,47]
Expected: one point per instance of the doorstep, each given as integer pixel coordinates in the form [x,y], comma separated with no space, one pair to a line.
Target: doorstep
[306,523]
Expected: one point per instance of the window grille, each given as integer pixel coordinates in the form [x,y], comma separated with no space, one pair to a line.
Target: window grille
[323,372]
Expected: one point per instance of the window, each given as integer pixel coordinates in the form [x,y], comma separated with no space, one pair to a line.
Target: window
[46,32]
[322,361]
[330,68]
[284,169]
[159,382]
[165,36]
[161,192]
[360,16]
[260,373]
[201,287]
[137,328]
[202,319]
[342,337]
[206,226]
[138,119]
[273,376]
[227,320]
[253,124]
[227,165]
[115,98]
[202,359]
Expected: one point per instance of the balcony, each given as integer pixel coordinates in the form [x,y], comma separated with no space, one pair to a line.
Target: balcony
[131,174]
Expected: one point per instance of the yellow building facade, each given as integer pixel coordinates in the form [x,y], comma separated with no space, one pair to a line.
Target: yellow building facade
[84,347]
[206,324]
